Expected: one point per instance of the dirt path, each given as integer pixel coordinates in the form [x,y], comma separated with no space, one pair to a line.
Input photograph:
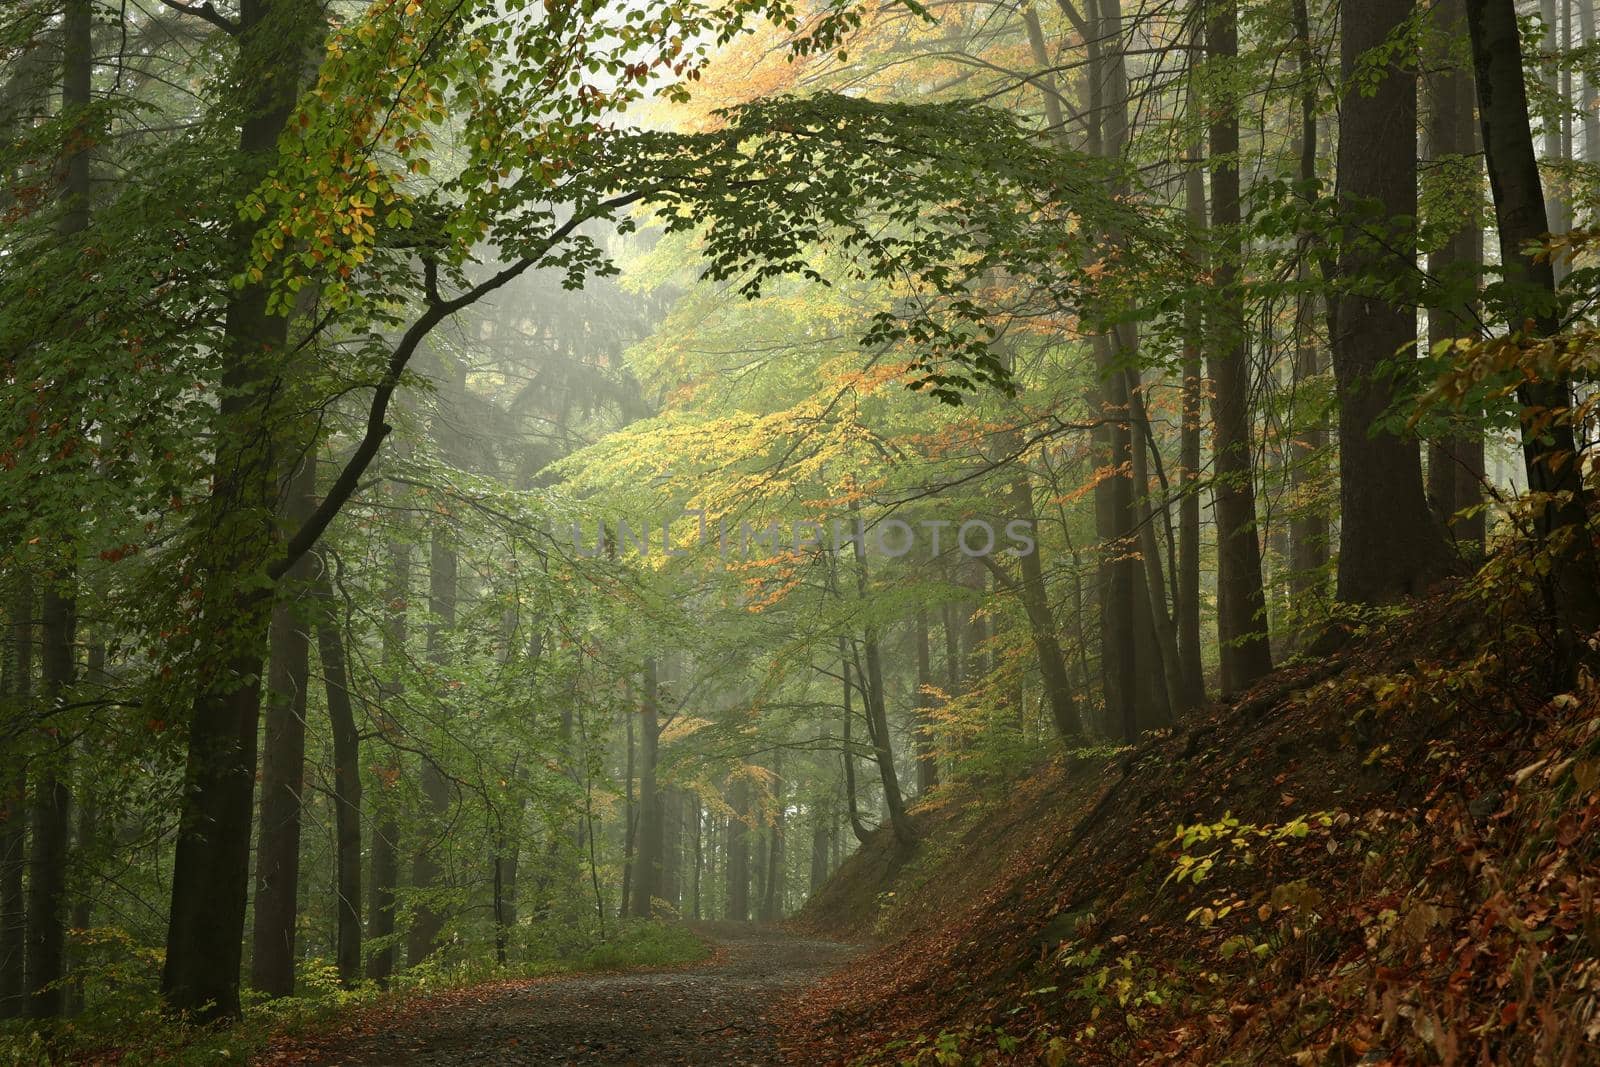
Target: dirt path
[711,1013]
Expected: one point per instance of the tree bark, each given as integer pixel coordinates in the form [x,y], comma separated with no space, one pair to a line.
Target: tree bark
[283,763]
[1308,526]
[738,888]
[211,867]
[1241,603]
[927,757]
[18,694]
[427,925]
[772,895]
[46,951]
[1455,463]
[648,840]
[385,860]
[346,785]
[1549,452]
[873,697]
[1390,545]
[856,825]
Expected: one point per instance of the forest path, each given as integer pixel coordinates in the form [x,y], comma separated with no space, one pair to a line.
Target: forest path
[713,1012]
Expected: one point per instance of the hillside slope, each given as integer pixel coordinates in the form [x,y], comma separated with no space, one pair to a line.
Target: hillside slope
[1387,856]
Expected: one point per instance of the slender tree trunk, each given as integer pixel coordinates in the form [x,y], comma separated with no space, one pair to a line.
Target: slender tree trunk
[51,829]
[1165,629]
[17,691]
[1188,608]
[1588,99]
[346,785]
[630,815]
[1308,525]
[1549,451]
[856,825]
[699,854]
[738,891]
[927,757]
[428,927]
[1241,615]
[283,762]
[772,895]
[46,953]
[1558,214]
[647,854]
[873,697]
[385,860]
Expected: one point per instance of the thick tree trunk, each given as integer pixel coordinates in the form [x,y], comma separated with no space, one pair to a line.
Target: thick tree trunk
[346,785]
[211,867]
[1390,545]
[1455,464]
[821,830]
[1550,451]
[1241,604]
[283,762]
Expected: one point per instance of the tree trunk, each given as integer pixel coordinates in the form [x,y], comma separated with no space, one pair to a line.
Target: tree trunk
[927,758]
[1188,607]
[877,714]
[738,891]
[1390,545]
[772,895]
[1549,451]
[856,825]
[1589,101]
[46,952]
[427,926]
[385,870]
[1308,524]
[346,785]
[821,829]
[283,762]
[1241,604]
[1455,463]
[211,866]
[648,840]
[1164,628]
[17,690]
[630,814]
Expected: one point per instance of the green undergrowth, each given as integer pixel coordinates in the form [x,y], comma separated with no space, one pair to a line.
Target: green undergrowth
[130,1029]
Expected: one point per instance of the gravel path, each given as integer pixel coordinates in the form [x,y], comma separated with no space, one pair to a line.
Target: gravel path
[711,1013]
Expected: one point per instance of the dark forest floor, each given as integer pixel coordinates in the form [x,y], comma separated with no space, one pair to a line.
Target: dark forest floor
[712,1012]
